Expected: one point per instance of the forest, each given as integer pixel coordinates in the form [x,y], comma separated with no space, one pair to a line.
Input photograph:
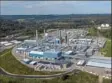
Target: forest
[27,24]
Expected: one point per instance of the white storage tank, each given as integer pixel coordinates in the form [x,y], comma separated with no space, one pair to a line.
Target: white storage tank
[102,25]
[57,41]
[107,25]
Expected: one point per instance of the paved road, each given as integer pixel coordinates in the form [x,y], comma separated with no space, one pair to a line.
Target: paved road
[3,72]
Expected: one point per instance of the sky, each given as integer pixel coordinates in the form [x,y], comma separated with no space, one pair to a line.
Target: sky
[54,7]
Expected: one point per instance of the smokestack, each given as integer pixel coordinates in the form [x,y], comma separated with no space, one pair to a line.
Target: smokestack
[60,36]
[57,33]
[44,32]
[65,36]
[37,37]
[64,32]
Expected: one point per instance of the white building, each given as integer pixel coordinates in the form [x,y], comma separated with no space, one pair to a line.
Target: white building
[3,42]
[6,43]
[15,41]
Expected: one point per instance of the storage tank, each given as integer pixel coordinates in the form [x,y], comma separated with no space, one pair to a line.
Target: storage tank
[107,25]
[102,25]
[57,41]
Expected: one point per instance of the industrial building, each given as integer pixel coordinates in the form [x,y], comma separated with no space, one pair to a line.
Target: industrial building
[58,51]
[69,52]
[6,43]
[98,61]
[42,65]
[45,55]
[15,42]
[81,62]
[90,52]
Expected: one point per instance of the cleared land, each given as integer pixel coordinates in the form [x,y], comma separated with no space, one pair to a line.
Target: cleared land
[81,77]
[106,51]
[10,64]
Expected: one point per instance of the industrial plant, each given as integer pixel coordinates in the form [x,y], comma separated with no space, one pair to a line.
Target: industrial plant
[61,50]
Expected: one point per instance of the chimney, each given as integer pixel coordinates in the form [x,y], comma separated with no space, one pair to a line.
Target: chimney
[44,32]
[58,33]
[66,37]
[37,37]
[60,36]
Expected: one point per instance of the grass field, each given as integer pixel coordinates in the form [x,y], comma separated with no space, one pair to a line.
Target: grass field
[92,32]
[10,64]
[81,77]
[1,53]
[106,51]
[107,80]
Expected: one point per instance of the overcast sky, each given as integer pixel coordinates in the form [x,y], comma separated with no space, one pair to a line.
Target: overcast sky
[54,7]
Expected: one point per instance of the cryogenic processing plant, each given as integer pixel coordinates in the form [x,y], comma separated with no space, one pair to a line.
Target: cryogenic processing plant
[55,51]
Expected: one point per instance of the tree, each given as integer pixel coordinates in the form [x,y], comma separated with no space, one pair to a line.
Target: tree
[65,77]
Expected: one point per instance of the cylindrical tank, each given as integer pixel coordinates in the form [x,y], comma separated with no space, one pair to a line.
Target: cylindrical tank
[57,41]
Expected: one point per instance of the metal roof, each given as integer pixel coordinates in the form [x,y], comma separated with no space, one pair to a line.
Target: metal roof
[30,41]
[46,54]
[44,62]
[96,64]
[99,61]
[100,57]
[22,49]
[37,52]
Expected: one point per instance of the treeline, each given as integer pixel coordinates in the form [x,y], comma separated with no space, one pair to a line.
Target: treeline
[42,17]
[27,24]
[8,27]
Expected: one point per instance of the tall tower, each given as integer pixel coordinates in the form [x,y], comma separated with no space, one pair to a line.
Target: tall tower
[36,37]
[44,32]
[57,33]
[60,37]
[66,38]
